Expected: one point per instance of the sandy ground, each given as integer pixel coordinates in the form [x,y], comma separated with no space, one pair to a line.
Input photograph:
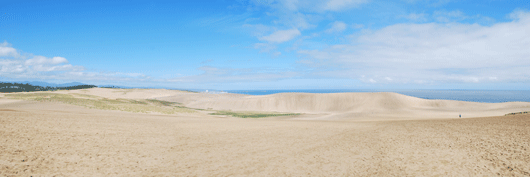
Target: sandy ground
[329,106]
[128,93]
[46,139]
[348,106]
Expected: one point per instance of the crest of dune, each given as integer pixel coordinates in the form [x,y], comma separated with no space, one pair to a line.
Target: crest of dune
[379,105]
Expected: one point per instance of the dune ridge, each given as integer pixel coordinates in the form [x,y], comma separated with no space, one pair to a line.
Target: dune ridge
[348,105]
[57,139]
[53,139]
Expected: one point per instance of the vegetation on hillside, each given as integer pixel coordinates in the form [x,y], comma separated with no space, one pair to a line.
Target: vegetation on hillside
[252,114]
[515,113]
[95,102]
[19,87]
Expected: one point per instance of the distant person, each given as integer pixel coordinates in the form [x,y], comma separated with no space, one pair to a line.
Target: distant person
[460,115]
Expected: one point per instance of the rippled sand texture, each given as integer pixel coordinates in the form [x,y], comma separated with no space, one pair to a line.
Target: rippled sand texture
[46,139]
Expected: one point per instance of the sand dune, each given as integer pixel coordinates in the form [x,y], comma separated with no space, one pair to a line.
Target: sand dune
[56,139]
[349,105]
[53,139]
[126,93]
[329,106]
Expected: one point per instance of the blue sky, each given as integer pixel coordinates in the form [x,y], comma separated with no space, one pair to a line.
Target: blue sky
[269,44]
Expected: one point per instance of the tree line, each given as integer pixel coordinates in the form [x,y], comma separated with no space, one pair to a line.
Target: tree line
[19,87]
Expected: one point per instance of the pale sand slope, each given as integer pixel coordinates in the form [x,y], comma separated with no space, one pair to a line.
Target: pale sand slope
[126,93]
[331,106]
[47,139]
[360,106]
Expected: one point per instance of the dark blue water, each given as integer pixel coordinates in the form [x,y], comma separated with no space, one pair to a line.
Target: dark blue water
[486,96]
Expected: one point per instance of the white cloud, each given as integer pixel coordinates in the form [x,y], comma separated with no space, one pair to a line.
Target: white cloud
[58,69]
[265,47]
[15,66]
[281,36]
[295,15]
[316,54]
[433,52]
[449,16]
[233,75]
[454,16]
[337,26]
[7,51]
[357,26]
[48,68]
[520,15]
[337,5]
[289,13]
[419,17]
[258,30]
[36,67]
[11,66]
[311,5]
[299,14]
[41,60]
[429,2]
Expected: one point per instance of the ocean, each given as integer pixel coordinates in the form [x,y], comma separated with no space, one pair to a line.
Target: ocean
[485,96]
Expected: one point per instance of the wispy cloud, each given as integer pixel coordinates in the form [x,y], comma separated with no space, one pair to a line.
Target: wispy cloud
[443,16]
[418,17]
[450,16]
[295,16]
[258,30]
[17,67]
[311,5]
[7,51]
[233,75]
[221,20]
[337,5]
[336,27]
[433,52]
[14,65]
[303,14]
[41,60]
[429,2]
[357,26]
[281,36]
